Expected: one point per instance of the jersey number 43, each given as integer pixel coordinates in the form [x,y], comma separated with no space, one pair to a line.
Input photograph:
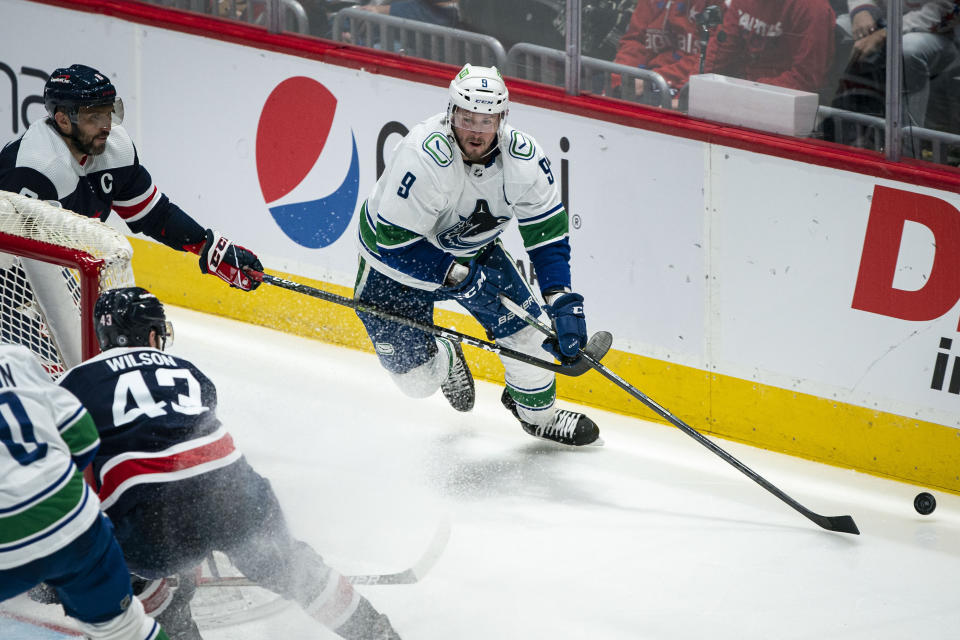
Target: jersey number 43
[133,386]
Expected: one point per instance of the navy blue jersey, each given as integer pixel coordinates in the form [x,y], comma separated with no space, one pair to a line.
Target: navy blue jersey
[156,414]
[39,165]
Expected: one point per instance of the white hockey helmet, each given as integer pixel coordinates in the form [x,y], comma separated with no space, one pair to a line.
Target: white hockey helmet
[479,90]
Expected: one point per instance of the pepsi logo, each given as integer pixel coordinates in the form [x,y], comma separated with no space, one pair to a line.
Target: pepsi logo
[293,131]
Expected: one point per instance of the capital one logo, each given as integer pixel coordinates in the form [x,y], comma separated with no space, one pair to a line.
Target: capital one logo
[291,136]
[875,292]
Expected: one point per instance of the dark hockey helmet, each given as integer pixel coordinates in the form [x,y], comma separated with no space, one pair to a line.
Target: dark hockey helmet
[124,318]
[76,86]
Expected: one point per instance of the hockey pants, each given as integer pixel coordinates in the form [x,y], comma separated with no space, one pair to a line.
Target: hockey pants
[413,359]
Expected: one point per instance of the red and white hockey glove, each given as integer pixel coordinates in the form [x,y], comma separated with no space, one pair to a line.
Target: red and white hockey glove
[229,262]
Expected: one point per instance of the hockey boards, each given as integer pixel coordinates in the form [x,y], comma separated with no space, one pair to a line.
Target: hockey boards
[411,575]
[597,347]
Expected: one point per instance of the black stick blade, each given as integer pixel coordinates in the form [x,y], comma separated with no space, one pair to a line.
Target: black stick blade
[596,348]
[598,345]
[841,524]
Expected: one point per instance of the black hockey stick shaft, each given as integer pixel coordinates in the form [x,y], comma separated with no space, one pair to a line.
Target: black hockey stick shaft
[442,332]
[842,524]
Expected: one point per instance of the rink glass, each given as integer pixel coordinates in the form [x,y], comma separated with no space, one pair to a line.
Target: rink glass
[528,38]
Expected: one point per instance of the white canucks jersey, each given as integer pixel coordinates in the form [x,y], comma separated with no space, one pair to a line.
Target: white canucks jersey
[430,207]
[44,502]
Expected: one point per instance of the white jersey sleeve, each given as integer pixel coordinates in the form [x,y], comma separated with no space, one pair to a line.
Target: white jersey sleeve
[529,179]
[44,502]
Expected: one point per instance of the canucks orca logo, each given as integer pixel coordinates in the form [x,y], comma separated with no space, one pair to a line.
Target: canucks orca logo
[291,135]
[480,223]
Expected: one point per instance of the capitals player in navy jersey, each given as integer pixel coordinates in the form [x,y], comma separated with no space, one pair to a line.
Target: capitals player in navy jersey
[82,159]
[175,486]
[51,528]
[430,231]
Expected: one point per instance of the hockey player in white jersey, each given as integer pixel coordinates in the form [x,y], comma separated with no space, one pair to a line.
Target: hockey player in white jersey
[51,528]
[429,231]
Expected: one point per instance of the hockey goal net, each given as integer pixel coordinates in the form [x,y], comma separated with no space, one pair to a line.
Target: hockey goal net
[53,265]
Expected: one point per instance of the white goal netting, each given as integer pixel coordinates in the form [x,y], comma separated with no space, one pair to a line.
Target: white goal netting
[53,265]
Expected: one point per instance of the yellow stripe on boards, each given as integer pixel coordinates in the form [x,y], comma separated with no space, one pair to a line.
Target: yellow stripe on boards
[781,420]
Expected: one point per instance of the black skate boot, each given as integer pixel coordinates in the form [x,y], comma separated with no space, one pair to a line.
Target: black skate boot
[458,388]
[568,427]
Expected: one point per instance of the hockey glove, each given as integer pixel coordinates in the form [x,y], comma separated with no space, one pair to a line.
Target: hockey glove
[570,325]
[479,290]
[229,262]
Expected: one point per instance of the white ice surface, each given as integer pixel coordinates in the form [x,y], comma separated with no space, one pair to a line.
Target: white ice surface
[651,536]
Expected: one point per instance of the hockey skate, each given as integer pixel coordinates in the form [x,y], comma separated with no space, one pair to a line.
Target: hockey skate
[568,427]
[458,388]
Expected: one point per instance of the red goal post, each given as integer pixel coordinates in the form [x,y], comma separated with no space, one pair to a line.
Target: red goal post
[53,265]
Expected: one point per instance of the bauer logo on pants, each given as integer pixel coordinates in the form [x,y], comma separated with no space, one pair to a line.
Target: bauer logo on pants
[292,134]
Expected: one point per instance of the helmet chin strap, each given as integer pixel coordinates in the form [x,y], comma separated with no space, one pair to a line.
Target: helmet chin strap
[493,147]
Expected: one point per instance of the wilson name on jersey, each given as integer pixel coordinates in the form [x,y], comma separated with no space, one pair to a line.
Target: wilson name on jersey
[156,414]
[430,207]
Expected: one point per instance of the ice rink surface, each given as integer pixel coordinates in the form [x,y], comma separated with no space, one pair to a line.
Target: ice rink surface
[651,536]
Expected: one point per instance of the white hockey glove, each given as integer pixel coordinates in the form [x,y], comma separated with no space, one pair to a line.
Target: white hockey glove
[229,261]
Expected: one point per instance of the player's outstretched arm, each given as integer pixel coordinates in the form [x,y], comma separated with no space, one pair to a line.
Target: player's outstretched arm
[169,224]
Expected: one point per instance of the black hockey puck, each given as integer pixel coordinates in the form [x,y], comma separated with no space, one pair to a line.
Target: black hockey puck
[924,503]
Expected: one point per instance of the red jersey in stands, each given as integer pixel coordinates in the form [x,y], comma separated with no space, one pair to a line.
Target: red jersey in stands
[787,43]
[663,37]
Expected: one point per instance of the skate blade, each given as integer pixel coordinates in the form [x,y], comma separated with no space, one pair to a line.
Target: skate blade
[596,443]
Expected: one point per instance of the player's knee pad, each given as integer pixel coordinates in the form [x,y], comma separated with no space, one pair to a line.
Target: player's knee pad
[424,380]
[132,624]
[527,340]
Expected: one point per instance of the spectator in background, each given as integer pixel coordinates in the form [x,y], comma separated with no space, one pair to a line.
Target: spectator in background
[788,43]
[663,36]
[928,50]
[365,34]
[441,12]
[602,25]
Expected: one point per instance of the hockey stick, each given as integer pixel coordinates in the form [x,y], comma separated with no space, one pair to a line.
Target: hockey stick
[842,524]
[408,576]
[597,346]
